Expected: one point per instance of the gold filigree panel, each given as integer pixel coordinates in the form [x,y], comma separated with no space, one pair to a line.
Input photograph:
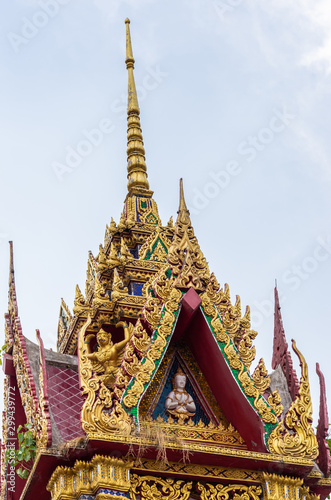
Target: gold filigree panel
[151,487]
[229,492]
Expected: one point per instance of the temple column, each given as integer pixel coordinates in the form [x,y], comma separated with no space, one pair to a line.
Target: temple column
[103,478]
[286,488]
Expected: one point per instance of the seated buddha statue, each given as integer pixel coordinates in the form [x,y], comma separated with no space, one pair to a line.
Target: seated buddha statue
[179,402]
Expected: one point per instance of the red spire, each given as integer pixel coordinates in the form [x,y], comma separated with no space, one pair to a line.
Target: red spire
[12,289]
[324,458]
[281,355]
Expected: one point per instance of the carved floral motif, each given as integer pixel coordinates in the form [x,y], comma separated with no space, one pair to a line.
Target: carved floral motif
[294,434]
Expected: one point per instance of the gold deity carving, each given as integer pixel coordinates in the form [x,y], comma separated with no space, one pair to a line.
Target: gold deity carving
[179,403]
[108,357]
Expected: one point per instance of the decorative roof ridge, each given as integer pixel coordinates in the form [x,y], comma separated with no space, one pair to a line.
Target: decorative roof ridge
[46,426]
[324,458]
[12,297]
[281,355]
[14,324]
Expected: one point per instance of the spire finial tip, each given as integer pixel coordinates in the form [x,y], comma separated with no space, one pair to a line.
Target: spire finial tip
[127,21]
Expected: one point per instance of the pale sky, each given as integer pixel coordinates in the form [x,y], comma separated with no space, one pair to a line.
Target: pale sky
[234,97]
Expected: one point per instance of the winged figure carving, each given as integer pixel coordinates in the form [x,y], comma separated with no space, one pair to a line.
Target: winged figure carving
[108,357]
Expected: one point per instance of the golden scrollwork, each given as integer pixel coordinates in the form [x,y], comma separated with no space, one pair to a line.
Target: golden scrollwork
[152,488]
[294,435]
[261,377]
[80,304]
[181,431]
[100,414]
[125,252]
[275,401]
[236,363]
[185,256]
[102,260]
[152,311]
[118,288]
[113,259]
[141,339]
[156,246]
[101,298]
[246,348]
[155,351]
[229,492]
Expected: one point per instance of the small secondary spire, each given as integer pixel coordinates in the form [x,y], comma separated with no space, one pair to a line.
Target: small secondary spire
[182,204]
[137,171]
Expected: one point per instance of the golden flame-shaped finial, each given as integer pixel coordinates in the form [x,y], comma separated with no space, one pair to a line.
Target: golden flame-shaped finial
[137,171]
[182,204]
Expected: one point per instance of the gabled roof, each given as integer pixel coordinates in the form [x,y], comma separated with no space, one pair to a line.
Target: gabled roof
[184,302]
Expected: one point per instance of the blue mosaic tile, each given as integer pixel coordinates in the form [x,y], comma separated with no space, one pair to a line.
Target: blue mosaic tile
[136,288]
[114,492]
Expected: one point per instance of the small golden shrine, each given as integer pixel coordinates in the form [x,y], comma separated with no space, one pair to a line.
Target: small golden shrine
[151,393]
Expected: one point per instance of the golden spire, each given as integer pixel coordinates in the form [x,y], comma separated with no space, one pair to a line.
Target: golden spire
[137,172]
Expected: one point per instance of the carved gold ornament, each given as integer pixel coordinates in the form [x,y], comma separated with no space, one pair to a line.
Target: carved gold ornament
[100,415]
[118,288]
[294,434]
[156,246]
[158,344]
[275,401]
[86,478]
[185,256]
[265,411]
[107,358]
[261,377]
[153,488]
[287,488]
[101,298]
[80,305]
[229,492]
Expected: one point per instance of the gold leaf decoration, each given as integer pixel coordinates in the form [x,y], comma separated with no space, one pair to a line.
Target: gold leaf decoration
[246,348]
[260,377]
[151,487]
[275,401]
[235,361]
[229,492]
[294,434]
[80,304]
[100,415]
[185,256]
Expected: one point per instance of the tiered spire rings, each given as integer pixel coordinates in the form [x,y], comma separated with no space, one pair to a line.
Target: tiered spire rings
[137,175]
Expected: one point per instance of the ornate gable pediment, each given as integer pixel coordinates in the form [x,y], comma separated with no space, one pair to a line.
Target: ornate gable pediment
[185,309]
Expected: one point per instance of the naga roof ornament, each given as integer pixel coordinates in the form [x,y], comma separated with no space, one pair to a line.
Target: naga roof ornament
[294,435]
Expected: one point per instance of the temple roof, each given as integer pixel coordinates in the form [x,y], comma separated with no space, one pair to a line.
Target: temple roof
[151,306]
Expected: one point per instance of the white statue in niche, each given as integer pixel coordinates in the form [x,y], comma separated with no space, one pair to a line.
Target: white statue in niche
[179,402]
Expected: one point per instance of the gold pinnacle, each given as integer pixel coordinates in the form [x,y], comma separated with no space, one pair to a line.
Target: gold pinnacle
[182,204]
[137,171]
